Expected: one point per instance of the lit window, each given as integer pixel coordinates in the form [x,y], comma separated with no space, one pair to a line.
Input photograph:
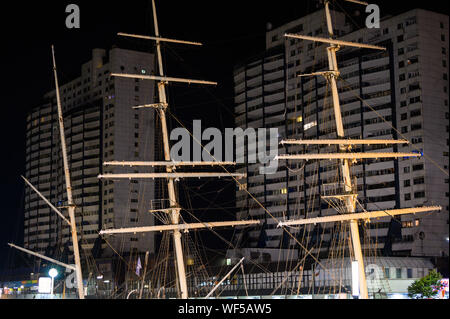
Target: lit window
[310,125]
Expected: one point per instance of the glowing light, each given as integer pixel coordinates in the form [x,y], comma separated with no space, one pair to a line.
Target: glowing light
[53,273]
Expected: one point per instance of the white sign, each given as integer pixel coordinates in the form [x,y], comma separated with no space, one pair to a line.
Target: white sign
[45,285]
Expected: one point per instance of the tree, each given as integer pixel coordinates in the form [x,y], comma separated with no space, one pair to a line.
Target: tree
[427,287]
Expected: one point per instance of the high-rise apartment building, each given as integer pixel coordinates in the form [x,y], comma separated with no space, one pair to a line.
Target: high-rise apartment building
[100,125]
[404,93]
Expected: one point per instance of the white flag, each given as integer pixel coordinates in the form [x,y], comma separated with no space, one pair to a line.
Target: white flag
[139,267]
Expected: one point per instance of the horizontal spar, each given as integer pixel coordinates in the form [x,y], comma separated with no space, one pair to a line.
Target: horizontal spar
[357,216]
[162,79]
[47,201]
[42,257]
[154,164]
[151,106]
[343,142]
[337,42]
[350,156]
[160,39]
[181,227]
[169,175]
[325,73]
[165,210]
[358,2]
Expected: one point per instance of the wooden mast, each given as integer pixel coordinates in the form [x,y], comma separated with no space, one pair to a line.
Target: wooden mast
[345,156]
[71,204]
[174,210]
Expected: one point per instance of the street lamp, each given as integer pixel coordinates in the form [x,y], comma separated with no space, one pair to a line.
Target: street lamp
[53,273]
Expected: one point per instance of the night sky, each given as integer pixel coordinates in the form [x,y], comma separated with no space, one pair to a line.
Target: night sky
[232,31]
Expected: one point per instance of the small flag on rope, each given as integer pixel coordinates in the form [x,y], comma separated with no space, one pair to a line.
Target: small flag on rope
[139,267]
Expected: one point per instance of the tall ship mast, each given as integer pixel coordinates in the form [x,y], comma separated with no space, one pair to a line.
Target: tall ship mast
[71,222]
[174,224]
[344,199]
[349,198]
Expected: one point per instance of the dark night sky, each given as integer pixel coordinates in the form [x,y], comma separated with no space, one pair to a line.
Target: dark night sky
[231,31]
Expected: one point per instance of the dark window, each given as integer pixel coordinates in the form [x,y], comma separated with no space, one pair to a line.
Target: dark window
[415,113]
[419,194]
[414,100]
[413,60]
[409,273]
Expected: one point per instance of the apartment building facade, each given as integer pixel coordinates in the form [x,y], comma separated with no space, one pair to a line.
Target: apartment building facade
[100,125]
[401,93]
